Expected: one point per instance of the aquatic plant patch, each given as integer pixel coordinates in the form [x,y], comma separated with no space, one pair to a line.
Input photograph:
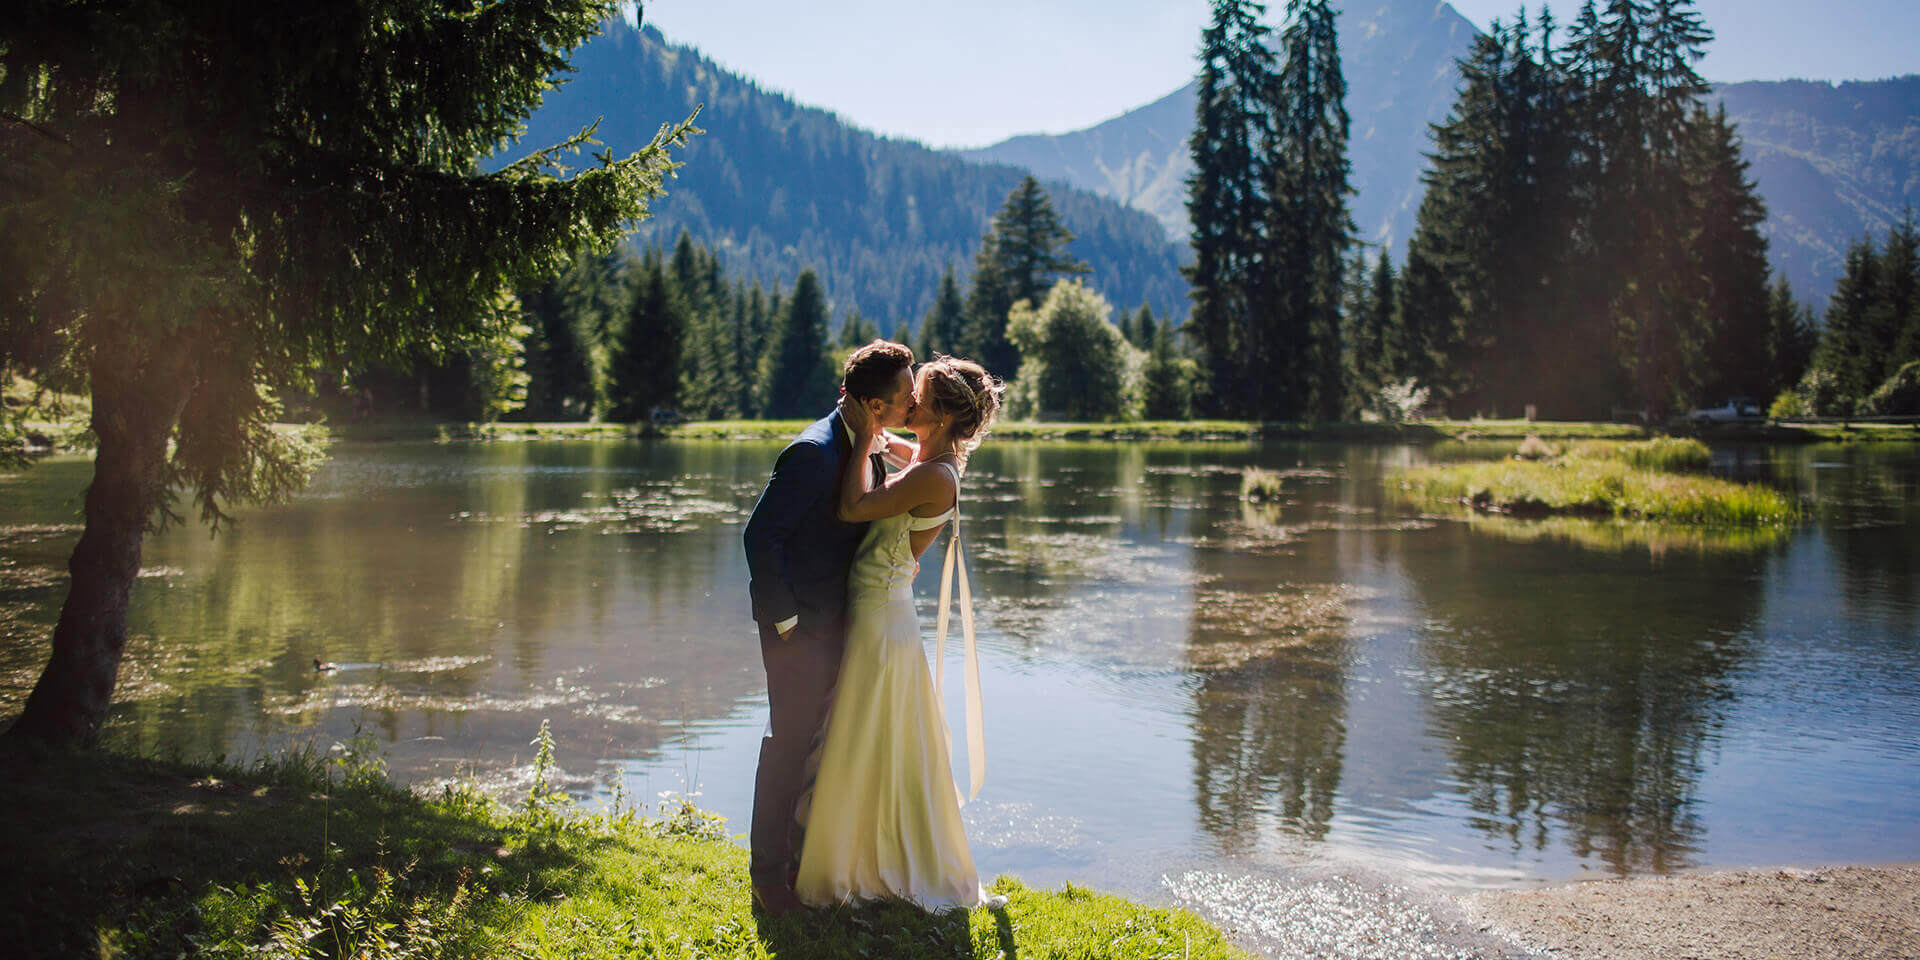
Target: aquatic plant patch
[1584,486]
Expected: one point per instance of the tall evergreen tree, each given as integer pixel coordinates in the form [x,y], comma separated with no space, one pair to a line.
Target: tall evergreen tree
[1166,380]
[1226,195]
[567,314]
[644,369]
[1296,329]
[1022,253]
[1790,339]
[798,383]
[205,206]
[1729,257]
[1896,323]
[1847,343]
[856,331]
[945,323]
[1372,323]
[1143,327]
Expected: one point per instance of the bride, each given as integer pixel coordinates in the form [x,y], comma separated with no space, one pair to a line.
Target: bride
[884,820]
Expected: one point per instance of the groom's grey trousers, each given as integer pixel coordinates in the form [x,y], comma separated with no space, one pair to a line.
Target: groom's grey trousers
[800,675]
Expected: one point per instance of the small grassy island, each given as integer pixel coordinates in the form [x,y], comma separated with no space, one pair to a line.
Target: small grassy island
[1661,480]
[311,855]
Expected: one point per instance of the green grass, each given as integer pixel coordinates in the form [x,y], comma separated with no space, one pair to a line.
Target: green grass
[1615,536]
[1599,486]
[1665,454]
[116,856]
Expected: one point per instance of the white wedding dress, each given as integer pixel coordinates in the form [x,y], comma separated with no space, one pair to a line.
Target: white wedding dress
[884,819]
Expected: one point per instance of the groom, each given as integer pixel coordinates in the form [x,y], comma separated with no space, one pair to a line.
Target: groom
[798,555]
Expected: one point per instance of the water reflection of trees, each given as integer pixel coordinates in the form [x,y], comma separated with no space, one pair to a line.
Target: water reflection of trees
[1270,695]
[492,585]
[1268,738]
[1578,691]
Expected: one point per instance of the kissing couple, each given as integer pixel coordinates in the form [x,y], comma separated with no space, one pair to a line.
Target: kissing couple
[832,549]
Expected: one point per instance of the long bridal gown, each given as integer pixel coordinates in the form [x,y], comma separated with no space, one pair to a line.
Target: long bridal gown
[884,819]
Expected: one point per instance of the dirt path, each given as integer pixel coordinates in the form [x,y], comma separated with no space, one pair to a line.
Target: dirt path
[1842,913]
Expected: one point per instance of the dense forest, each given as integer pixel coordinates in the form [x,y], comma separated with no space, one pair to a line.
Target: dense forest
[630,335]
[1588,247]
[775,188]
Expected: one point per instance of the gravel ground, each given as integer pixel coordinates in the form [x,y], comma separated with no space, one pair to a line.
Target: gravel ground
[1338,918]
[1855,913]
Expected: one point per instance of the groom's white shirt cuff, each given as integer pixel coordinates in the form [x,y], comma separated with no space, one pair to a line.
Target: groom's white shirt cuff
[879,446]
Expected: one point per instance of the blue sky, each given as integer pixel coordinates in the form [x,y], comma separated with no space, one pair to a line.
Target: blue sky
[971,73]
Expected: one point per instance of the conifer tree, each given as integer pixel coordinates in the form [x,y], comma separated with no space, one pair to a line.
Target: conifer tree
[798,382]
[1790,339]
[1141,328]
[1846,340]
[944,325]
[1166,380]
[1729,258]
[1226,196]
[856,331]
[1296,328]
[1022,253]
[644,369]
[206,205]
[1896,323]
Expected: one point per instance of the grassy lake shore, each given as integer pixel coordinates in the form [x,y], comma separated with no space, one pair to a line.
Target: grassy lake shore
[110,855]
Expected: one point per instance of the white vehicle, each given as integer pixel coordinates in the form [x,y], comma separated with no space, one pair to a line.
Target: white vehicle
[1738,408]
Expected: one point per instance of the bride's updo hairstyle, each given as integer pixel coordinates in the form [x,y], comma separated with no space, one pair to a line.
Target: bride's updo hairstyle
[966,396]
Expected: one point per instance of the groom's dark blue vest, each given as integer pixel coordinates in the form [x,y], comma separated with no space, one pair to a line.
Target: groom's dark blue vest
[798,548]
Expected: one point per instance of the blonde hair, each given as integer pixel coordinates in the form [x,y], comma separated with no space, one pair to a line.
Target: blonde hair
[966,396]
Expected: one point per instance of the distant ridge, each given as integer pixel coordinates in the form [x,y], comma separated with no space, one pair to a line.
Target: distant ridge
[1832,161]
[776,187]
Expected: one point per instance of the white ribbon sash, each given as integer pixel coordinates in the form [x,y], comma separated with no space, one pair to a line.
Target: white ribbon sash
[976,722]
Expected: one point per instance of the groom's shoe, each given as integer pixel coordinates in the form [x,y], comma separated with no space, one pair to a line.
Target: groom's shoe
[776,900]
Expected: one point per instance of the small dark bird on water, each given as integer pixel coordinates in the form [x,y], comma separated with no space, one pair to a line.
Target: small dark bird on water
[322,667]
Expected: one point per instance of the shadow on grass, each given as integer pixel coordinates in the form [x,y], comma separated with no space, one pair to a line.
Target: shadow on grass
[115,855]
[880,929]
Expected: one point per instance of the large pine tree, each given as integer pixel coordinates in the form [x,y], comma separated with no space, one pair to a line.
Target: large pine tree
[798,382]
[207,202]
[1295,343]
[944,325]
[1023,252]
[1226,197]
[1729,264]
[644,369]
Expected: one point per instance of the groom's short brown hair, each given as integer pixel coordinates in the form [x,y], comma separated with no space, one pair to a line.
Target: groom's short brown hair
[873,369]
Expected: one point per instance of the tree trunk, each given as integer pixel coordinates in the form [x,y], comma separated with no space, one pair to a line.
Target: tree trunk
[134,412]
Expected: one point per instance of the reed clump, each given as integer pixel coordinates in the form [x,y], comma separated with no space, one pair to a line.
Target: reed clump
[1259,486]
[1668,454]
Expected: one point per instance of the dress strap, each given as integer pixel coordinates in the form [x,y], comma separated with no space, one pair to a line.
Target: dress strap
[976,721]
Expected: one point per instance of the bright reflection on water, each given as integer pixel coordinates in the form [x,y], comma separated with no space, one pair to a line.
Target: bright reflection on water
[1173,679]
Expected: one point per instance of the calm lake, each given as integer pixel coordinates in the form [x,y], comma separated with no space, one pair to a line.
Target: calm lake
[1340,682]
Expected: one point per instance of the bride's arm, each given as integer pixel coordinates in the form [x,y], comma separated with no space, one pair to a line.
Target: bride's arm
[918,486]
[900,451]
